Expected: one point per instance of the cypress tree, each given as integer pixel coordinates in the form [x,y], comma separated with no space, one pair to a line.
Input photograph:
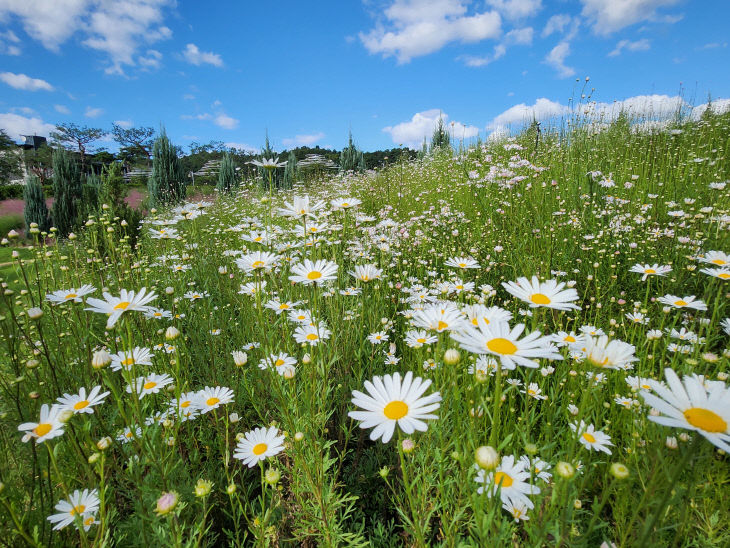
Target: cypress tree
[227,180]
[35,210]
[276,176]
[290,171]
[351,158]
[166,184]
[90,192]
[66,191]
[440,138]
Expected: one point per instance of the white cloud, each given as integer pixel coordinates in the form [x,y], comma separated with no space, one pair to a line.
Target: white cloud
[152,59]
[203,116]
[420,27]
[21,81]
[225,121]
[8,41]
[125,124]
[650,110]
[628,45]
[116,28]
[63,109]
[92,112]
[556,59]
[242,146]
[520,37]
[556,23]
[516,9]
[16,125]
[303,139]
[422,124]
[610,16]
[193,55]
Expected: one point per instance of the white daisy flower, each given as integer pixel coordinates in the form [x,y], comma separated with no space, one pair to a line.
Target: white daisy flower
[81,402]
[48,427]
[390,402]
[210,398]
[79,504]
[550,293]
[318,272]
[590,438]
[151,384]
[509,478]
[73,294]
[126,359]
[116,306]
[258,445]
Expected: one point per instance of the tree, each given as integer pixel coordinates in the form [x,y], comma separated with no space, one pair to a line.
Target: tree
[79,136]
[351,158]
[35,209]
[166,184]
[135,141]
[291,171]
[67,190]
[9,159]
[227,180]
[440,138]
[39,162]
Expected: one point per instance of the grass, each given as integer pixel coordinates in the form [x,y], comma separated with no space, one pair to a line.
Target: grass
[581,207]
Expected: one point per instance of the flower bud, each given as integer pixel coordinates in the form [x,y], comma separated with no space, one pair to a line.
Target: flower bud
[619,470]
[407,445]
[100,359]
[299,436]
[169,290]
[172,333]
[565,470]
[452,356]
[671,442]
[384,472]
[239,358]
[34,313]
[486,457]
[65,415]
[104,443]
[166,503]
[272,476]
[202,488]
[12,234]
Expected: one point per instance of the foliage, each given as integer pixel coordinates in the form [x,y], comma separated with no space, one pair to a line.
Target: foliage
[134,142]
[167,182]
[35,209]
[8,223]
[77,136]
[40,162]
[11,192]
[440,138]
[227,179]
[351,158]
[291,173]
[67,192]
[10,168]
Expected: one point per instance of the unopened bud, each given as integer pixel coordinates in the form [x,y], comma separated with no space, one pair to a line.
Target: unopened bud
[486,457]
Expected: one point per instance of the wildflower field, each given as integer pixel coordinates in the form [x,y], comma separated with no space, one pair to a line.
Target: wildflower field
[520,343]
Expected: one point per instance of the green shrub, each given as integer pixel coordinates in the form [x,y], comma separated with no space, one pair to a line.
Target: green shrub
[11,192]
[10,222]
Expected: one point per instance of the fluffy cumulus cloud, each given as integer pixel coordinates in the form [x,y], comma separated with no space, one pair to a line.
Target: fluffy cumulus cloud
[653,109]
[21,81]
[116,28]
[411,28]
[93,112]
[300,140]
[17,125]
[628,45]
[63,109]
[516,9]
[194,56]
[224,121]
[422,124]
[556,59]
[9,43]
[608,17]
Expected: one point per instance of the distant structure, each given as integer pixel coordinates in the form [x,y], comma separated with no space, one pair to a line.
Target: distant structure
[33,142]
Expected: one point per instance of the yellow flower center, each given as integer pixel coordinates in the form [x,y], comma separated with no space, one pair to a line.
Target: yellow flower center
[312,337]
[396,410]
[42,429]
[704,419]
[128,361]
[185,404]
[279,362]
[211,401]
[441,325]
[719,262]
[462,265]
[314,275]
[78,509]
[570,339]
[421,340]
[257,239]
[364,278]
[258,264]
[501,346]
[81,405]
[71,296]
[649,271]
[89,521]
[505,480]
[680,302]
[149,385]
[122,306]
[283,306]
[590,438]
[723,275]
[259,448]
[345,204]
[539,298]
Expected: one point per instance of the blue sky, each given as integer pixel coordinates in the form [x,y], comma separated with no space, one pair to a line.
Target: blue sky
[310,71]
